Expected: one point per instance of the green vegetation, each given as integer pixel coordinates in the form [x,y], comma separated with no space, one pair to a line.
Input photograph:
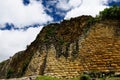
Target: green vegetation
[2,63]
[110,13]
[10,72]
[74,79]
[61,41]
[109,78]
[53,78]
[46,78]
[50,31]
[91,21]
[25,64]
[85,77]
[86,29]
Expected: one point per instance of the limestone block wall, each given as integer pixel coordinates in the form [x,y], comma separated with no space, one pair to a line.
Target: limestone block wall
[98,51]
[101,48]
[36,66]
[61,67]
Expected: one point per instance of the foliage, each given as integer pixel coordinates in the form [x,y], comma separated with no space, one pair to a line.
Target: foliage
[85,77]
[25,64]
[61,41]
[10,72]
[86,29]
[74,79]
[110,13]
[46,78]
[52,78]
[2,63]
[50,31]
[91,21]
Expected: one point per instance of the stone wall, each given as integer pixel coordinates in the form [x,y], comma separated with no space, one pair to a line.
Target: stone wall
[61,67]
[98,51]
[101,49]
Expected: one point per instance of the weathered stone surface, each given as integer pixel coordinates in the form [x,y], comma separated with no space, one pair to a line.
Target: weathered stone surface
[65,50]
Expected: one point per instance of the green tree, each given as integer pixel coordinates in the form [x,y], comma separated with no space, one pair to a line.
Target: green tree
[110,13]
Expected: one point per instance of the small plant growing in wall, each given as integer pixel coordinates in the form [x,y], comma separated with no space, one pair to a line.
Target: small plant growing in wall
[10,72]
[61,41]
[25,64]
[2,63]
[50,32]
[91,21]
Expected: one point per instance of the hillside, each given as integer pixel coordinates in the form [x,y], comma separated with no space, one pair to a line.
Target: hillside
[68,49]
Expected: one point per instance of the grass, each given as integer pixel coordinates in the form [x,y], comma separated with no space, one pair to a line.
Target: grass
[46,78]
[109,78]
[75,79]
[53,78]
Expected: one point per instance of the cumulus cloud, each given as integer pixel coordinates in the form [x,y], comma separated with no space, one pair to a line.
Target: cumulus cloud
[14,11]
[14,41]
[67,4]
[87,7]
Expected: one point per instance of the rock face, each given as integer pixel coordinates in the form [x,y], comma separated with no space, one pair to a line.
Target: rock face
[67,49]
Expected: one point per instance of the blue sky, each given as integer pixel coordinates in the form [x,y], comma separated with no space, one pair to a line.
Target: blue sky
[22,20]
[112,2]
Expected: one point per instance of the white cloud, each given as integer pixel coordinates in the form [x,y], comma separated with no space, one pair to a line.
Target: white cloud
[88,7]
[67,4]
[75,3]
[63,5]
[14,41]
[14,11]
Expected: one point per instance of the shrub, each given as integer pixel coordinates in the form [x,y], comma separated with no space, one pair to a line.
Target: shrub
[10,72]
[85,77]
[25,64]
[110,13]
[2,63]
[91,21]
[61,41]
